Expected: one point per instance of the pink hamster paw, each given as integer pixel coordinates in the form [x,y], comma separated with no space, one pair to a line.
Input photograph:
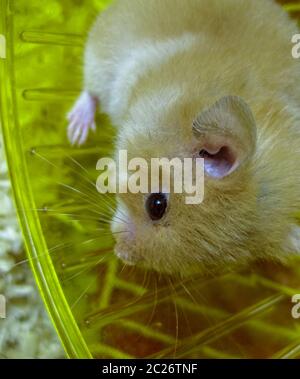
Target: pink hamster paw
[82,118]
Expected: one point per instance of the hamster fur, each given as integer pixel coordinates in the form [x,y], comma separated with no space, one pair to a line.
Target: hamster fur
[157,66]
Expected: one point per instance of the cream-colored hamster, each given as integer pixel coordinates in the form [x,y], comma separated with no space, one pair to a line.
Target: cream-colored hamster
[210,78]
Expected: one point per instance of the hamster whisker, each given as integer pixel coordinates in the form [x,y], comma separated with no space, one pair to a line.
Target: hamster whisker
[54,250]
[71,169]
[87,269]
[155,302]
[68,186]
[74,216]
[77,217]
[112,233]
[93,184]
[188,292]
[55,212]
[84,196]
[174,296]
[73,305]
[108,201]
[119,218]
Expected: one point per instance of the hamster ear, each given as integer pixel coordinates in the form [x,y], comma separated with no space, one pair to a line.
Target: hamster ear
[226,133]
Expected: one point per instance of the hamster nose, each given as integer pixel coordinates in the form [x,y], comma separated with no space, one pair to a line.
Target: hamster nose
[156,205]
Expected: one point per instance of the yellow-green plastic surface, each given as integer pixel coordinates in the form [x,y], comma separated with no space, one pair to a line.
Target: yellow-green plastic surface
[100,308]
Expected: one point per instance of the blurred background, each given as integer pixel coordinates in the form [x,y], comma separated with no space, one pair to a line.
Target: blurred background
[27,331]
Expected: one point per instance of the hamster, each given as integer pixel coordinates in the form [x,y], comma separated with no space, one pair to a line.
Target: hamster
[208,78]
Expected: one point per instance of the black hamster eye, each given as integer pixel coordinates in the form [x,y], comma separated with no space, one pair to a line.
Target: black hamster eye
[156,205]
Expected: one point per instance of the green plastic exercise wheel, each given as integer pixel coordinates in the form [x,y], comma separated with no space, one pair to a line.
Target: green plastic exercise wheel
[99,307]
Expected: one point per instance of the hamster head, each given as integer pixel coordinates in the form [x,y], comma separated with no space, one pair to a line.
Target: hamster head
[159,230]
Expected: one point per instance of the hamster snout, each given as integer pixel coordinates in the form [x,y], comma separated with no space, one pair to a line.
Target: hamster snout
[125,231]
[207,78]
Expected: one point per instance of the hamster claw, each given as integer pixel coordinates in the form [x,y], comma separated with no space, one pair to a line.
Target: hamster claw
[82,118]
